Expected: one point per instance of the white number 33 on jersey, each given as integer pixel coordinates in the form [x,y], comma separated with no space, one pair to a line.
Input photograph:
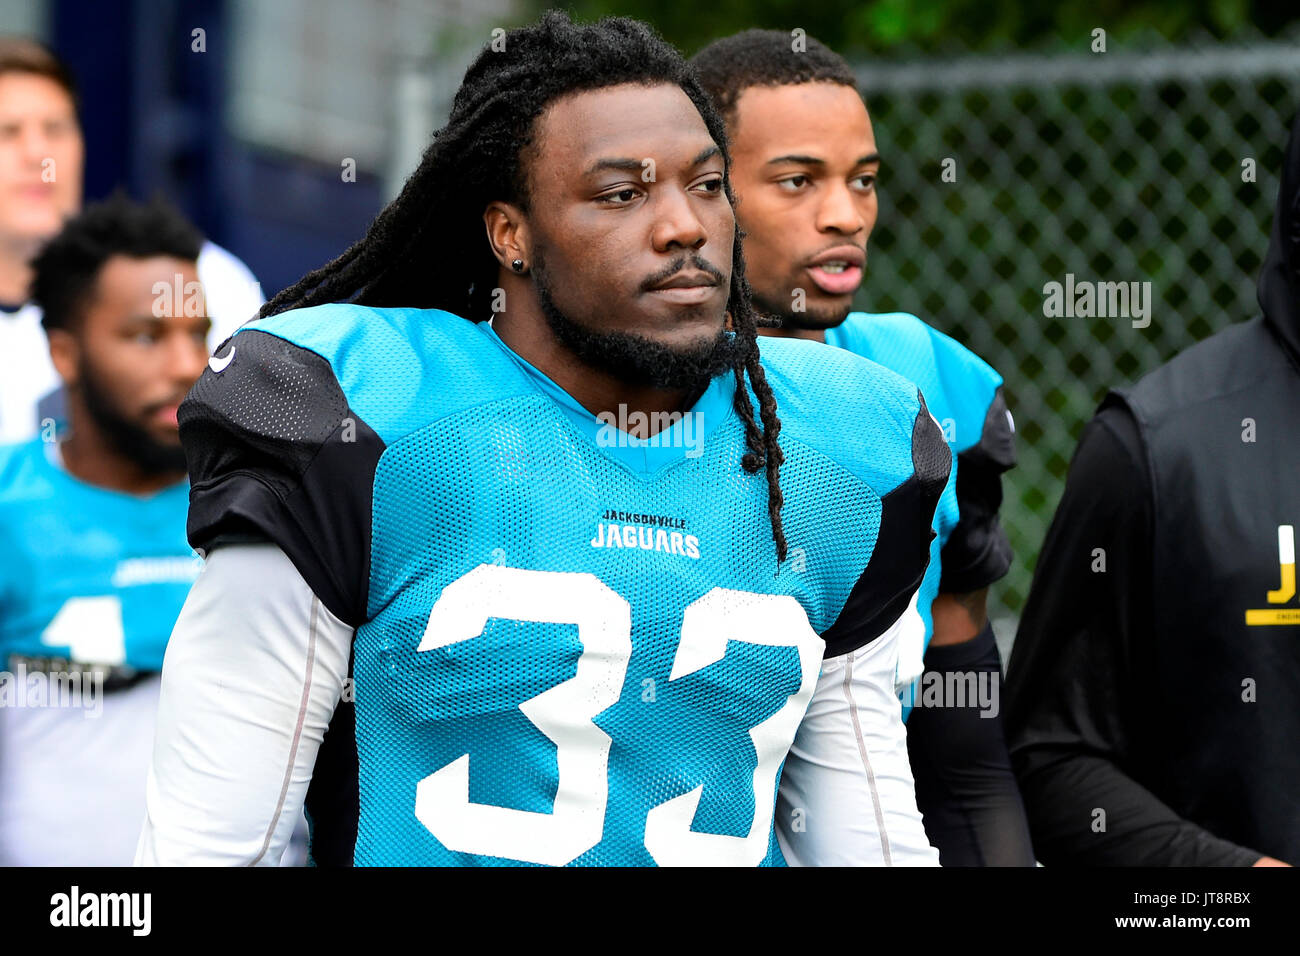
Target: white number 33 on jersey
[564,714]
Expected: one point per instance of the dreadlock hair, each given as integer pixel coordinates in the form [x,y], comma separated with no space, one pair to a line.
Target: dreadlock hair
[728,67]
[416,253]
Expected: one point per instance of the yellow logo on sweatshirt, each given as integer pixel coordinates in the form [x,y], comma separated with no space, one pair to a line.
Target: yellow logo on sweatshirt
[1286,591]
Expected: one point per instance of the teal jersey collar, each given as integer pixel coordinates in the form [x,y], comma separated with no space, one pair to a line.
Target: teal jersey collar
[685,437]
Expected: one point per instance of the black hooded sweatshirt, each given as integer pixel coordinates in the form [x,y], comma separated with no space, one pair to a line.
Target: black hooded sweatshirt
[1153,692]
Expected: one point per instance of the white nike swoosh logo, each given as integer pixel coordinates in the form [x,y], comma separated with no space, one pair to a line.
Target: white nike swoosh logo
[218,365]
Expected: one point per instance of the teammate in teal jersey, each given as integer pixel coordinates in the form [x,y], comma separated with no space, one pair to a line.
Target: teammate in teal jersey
[535,636]
[805,171]
[94,566]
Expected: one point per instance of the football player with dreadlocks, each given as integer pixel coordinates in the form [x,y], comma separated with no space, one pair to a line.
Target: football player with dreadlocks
[506,562]
[805,166]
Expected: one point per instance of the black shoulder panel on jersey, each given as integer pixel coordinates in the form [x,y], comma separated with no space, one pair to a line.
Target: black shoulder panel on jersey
[276,454]
[902,550]
[977,552]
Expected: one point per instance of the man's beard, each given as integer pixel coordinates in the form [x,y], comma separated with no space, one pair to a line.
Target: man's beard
[130,440]
[638,360]
[784,317]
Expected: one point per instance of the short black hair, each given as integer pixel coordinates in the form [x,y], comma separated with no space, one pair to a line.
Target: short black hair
[66,269]
[731,65]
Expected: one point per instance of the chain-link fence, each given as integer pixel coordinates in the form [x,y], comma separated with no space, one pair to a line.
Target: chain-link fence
[1003,174]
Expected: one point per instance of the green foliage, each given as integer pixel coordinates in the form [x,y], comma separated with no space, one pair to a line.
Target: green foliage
[876,26]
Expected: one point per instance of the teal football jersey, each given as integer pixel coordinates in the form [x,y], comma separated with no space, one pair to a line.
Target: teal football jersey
[964,394]
[86,573]
[572,646]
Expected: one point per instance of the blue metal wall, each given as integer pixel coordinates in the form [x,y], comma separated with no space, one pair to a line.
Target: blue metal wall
[153,112]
